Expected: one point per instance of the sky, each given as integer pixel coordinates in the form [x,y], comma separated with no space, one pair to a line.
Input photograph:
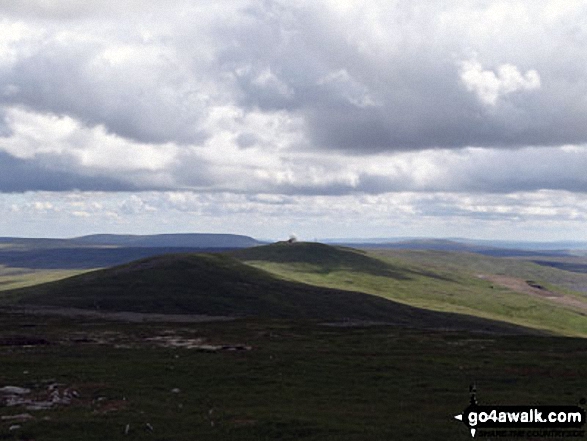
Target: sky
[320,118]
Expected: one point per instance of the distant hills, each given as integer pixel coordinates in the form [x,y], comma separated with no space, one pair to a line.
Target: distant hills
[103,250]
[220,284]
[188,240]
[170,240]
[485,247]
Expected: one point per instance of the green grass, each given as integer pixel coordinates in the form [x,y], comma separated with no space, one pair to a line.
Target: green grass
[300,380]
[217,284]
[310,280]
[14,278]
[428,282]
[475,264]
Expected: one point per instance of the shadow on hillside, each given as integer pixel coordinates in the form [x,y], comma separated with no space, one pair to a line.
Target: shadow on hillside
[566,266]
[217,285]
[85,258]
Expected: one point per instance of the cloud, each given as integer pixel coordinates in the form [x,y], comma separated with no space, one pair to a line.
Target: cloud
[539,215]
[18,175]
[489,86]
[303,98]
[124,87]
[58,153]
[387,76]
[479,171]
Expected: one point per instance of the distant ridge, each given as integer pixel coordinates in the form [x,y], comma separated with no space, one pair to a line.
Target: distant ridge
[182,240]
[102,250]
[519,245]
[187,240]
[487,248]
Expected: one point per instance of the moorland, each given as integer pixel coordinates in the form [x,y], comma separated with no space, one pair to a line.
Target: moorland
[140,338]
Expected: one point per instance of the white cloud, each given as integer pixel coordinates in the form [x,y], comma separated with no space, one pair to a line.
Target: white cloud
[294,106]
[538,215]
[277,162]
[489,86]
[38,133]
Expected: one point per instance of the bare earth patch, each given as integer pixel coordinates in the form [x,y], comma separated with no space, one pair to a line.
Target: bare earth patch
[535,290]
[172,341]
[54,394]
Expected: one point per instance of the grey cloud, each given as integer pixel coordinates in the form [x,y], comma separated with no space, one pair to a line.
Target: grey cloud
[19,175]
[401,93]
[524,170]
[5,130]
[493,171]
[475,171]
[422,102]
[353,93]
[37,9]
[68,9]
[192,171]
[246,140]
[276,200]
[143,102]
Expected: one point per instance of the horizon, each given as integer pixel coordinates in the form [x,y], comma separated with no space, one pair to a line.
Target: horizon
[327,119]
[327,240]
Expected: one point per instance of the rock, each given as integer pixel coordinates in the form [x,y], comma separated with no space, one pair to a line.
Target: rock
[21,417]
[14,390]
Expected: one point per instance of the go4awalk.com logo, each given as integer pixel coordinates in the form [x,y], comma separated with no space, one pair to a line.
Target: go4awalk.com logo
[523,421]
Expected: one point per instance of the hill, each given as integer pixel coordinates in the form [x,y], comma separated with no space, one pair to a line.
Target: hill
[325,257]
[105,250]
[486,247]
[82,258]
[215,284]
[313,280]
[438,283]
[169,240]
[187,240]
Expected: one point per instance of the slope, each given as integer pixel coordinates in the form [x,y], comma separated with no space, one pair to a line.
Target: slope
[441,287]
[215,284]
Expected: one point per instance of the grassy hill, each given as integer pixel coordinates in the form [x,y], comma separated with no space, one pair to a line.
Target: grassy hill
[546,269]
[316,281]
[443,285]
[324,259]
[215,284]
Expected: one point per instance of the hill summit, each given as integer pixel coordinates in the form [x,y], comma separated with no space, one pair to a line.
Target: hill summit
[219,284]
[198,283]
[324,258]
